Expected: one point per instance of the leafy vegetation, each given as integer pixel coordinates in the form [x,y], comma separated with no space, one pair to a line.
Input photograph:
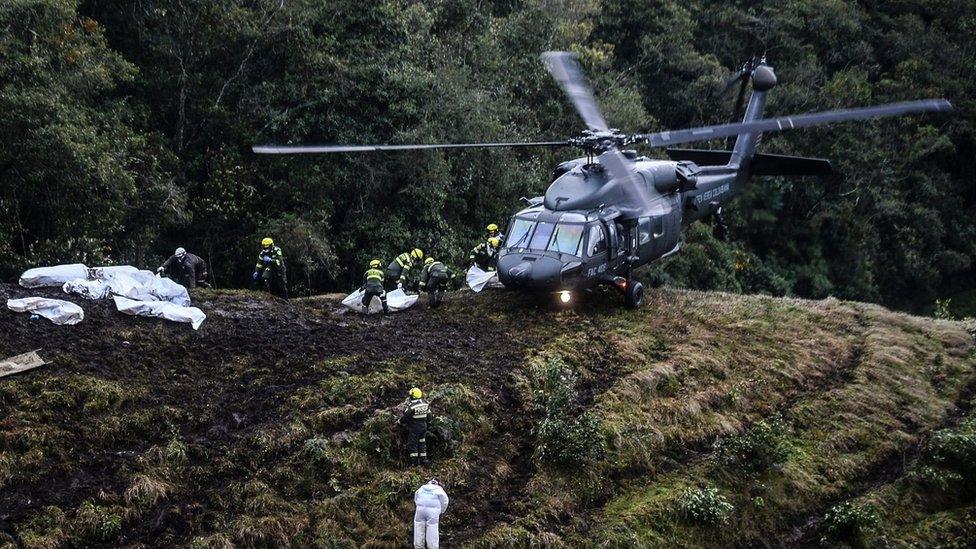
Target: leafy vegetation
[704,506]
[129,127]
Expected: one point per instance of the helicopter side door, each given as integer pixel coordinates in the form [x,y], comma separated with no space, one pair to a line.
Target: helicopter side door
[657,235]
[597,250]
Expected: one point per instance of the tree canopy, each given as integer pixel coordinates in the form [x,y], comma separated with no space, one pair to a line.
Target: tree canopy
[128,129]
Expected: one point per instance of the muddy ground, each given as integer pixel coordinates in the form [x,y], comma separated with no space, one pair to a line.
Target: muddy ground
[274,424]
[209,374]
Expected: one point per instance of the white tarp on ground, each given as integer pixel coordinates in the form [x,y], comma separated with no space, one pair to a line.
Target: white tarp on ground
[161,309]
[397,300]
[52,276]
[129,282]
[478,280]
[57,311]
[145,292]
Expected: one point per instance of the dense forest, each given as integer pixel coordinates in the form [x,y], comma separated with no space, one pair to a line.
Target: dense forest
[127,129]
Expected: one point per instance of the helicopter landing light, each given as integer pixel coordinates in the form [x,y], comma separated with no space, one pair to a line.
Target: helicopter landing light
[564,296]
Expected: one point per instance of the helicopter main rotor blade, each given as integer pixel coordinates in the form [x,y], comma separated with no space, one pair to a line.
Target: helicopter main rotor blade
[662,139]
[563,67]
[317,149]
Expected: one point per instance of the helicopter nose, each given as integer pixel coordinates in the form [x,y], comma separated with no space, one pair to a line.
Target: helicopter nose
[528,271]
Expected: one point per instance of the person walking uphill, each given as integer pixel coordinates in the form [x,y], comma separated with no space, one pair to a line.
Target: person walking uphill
[188,269]
[431,501]
[415,417]
[270,269]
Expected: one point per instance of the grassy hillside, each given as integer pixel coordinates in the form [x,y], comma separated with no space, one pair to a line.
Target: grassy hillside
[704,418]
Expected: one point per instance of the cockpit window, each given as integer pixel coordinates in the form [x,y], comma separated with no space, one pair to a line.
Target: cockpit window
[566,239]
[540,238]
[555,237]
[519,234]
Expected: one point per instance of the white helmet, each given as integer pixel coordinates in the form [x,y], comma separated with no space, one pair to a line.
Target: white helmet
[180,252]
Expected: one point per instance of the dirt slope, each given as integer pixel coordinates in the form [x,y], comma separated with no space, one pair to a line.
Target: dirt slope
[273,424]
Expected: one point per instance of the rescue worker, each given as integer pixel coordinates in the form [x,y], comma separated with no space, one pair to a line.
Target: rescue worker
[398,271]
[415,417]
[431,501]
[491,231]
[188,269]
[485,255]
[271,268]
[373,286]
[434,278]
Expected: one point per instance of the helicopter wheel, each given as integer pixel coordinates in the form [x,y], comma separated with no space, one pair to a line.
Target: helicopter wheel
[634,294]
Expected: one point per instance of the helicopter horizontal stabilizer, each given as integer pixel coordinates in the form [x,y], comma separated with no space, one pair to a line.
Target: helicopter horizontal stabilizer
[762,164]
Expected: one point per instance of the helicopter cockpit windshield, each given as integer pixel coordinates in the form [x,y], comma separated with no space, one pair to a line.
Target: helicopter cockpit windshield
[559,237]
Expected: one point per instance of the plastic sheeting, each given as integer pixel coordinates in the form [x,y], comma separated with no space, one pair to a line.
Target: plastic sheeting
[129,282]
[57,311]
[478,279]
[52,276]
[145,292]
[397,300]
[161,309]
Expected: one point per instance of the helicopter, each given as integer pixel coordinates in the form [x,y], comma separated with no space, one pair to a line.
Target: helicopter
[613,210]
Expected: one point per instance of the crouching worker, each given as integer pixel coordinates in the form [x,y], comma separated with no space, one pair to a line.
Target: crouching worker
[435,278]
[415,418]
[485,255]
[431,501]
[188,269]
[373,286]
[398,271]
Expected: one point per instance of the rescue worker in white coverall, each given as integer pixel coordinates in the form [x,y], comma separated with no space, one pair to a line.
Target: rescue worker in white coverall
[431,501]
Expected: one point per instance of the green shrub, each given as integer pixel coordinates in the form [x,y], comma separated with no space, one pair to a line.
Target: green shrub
[704,506]
[948,460]
[317,451]
[943,309]
[847,522]
[99,523]
[761,446]
[567,435]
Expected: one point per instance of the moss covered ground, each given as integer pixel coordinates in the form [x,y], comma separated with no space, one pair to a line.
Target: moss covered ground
[703,419]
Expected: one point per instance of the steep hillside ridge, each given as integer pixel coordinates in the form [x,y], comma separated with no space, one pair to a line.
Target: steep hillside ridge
[274,424]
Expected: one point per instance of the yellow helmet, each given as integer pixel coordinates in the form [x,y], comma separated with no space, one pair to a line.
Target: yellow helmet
[428,261]
[416,393]
[492,228]
[417,253]
[267,242]
[374,264]
[494,242]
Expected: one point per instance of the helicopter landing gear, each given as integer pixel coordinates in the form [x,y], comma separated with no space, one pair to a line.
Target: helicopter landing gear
[634,294]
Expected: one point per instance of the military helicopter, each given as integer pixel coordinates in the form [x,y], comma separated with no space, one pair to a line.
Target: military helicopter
[613,210]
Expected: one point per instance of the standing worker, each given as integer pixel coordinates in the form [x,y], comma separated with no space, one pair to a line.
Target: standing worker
[433,278]
[399,269]
[270,268]
[485,255]
[373,286]
[431,500]
[415,417]
[188,269]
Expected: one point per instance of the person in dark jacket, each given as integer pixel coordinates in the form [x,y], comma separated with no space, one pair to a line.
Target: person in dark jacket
[373,286]
[415,417]
[435,278]
[188,269]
